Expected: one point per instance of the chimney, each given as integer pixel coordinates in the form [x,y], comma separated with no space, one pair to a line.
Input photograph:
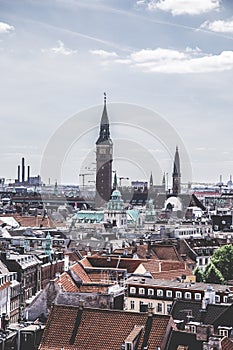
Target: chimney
[23,170]
[28,172]
[18,178]
[148,255]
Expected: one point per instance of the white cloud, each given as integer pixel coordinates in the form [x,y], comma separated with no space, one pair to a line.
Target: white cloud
[182,7]
[103,53]
[219,26]
[61,49]
[6,28]
[169,61]
[157,55]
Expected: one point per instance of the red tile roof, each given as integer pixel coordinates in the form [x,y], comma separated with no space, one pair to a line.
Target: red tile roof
[142,252]
[93,288]
[227,344]
[85,262]
[5,285]
[166,252]
[80,272]
[114,262]
[34,221]
[171,274]
[94,329]
[66,282]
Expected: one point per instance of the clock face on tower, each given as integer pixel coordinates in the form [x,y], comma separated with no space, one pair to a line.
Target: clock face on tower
[102,151]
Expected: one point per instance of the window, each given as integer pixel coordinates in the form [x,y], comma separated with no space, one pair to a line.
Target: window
[159,307]
[169,307]
[150,305]
[192,328]
[141,290]
[159,292]
[132,304]
[223,332]
[179,295]
[169,294]
[132,290]
[197,296]
[150,291]
[225,299]
[187,295]
[217,298]
[128,346]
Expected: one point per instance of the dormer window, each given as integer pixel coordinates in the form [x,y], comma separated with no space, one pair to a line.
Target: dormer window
[132,290]
[179,295]
[159,292]
[197,296]
[142,291]
[169,294]
[224,331]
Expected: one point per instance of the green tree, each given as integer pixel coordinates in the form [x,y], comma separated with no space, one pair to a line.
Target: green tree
[199,274]
[223,261]
[212,274]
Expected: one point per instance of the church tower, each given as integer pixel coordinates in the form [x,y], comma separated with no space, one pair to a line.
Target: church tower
[104,149]
[176,176]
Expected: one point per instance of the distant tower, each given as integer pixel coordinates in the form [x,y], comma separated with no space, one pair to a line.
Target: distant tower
[116,214]
[104,149]
[176,176]
[48,246]
[115,181]
[23,170]
[151,181]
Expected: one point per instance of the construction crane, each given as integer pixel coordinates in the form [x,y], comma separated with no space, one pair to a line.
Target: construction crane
[83,176]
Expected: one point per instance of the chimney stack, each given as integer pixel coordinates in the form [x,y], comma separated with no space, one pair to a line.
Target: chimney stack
[18,178]
[28,172]
[23,170]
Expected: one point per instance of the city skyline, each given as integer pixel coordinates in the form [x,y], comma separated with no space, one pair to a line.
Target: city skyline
[57,58]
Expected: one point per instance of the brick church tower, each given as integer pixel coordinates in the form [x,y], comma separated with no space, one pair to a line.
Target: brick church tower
[104,148]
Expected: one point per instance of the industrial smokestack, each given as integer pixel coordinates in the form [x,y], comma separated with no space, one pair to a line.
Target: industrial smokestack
[23,170]
[18,178]
[28,172]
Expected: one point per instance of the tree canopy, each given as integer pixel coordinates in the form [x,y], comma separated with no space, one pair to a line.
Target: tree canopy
[213,275]
[222,259]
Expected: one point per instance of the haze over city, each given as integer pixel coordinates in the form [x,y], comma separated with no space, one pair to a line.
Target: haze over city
[58,57]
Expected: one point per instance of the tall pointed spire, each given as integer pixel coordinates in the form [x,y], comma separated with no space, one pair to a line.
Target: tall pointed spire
[176,176]
[176,168]
[164,179]
[151,180]
[115,181]
[104,134]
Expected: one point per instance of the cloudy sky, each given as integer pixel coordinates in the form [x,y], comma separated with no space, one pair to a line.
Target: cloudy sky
[174,57]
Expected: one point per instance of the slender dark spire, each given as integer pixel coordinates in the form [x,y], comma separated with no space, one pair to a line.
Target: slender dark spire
[115,181]
[176,168]
[104,134]
[164,179]
[151,180]
[176,186]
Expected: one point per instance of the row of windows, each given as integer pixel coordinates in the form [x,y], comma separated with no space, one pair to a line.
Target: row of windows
[193,329]
[167,293]
[173,294]
[158,306]
[14,305]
